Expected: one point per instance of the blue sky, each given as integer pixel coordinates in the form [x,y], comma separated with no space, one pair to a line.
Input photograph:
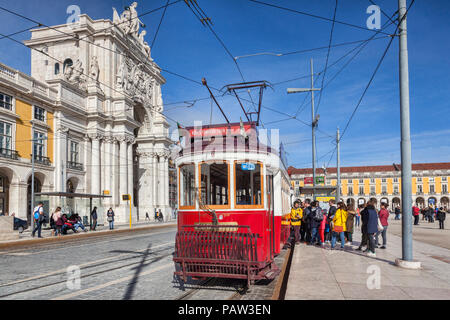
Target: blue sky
[186,47]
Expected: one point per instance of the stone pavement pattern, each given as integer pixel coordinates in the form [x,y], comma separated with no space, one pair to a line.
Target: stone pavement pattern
[318,273]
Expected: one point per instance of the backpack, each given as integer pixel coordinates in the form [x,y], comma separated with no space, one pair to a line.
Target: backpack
[318,215]
[36,214]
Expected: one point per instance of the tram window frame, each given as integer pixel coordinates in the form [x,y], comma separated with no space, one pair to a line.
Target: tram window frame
[249,206]
[214,206]
[181,184]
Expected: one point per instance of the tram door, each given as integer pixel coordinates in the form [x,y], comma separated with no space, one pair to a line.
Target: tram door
[270,215]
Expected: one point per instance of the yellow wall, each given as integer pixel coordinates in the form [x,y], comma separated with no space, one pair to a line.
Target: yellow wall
[390,187]
[367,186]
[23,129]
[426,186]
[437,184]
[378,186]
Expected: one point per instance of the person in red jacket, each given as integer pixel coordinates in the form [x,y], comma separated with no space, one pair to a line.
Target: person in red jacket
[383,215]
[416,213]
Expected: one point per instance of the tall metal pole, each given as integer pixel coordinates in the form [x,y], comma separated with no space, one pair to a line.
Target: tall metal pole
[338,160]
[313,126]
[405,137]
[32,176]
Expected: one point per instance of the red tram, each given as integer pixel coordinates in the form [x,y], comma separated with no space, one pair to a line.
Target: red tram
[233,195]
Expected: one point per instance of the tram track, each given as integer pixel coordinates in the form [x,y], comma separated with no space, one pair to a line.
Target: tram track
[93,264]
[210,284]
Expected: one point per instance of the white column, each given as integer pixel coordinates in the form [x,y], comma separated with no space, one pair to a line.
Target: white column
[115,172]
[130,168]
[108,166]
[161,181]
[155,181]
[166,181]
[123,182]
[95,165]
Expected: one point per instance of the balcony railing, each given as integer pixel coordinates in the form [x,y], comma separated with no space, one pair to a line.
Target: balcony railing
[373,193]
[384,193]
[75,165]
[419,192]
[10,154]
[41,159]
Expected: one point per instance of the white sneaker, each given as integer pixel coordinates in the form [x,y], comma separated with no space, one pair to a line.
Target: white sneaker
[371,254]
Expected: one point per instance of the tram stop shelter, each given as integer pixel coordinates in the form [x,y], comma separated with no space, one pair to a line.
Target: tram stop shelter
[71,203]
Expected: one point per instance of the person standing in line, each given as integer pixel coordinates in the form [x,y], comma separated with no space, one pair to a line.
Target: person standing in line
[322,228]
[339,225]
[303,226]
[315,219]
[364,238]
[331,213]
[369,219]
[56,216]
[441,217]
[296,220]
[38,216]
[384,216]
[351,214]
[94,218]
[416,214]
[110,218]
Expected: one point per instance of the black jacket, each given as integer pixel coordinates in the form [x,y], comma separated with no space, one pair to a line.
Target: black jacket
[441,215]
[313,222]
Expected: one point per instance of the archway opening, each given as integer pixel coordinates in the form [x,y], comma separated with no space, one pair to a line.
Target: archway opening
[420,202]
[37,188]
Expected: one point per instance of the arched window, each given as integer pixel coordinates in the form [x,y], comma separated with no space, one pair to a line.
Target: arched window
[67,63]
[56,68]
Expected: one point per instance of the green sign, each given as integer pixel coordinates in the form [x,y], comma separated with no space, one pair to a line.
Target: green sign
[320,180]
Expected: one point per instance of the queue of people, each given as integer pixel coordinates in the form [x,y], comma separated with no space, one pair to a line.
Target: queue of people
[314,226]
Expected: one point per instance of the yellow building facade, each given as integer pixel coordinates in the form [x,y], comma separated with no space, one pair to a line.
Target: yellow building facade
[382,183]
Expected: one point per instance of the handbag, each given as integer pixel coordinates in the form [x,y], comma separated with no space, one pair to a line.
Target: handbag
[380,226]
[109,219]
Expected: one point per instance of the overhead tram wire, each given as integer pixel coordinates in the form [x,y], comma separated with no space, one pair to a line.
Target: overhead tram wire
[19,32]
[384,13]
[328,55]
[310,15]
[371,79]
[160,22]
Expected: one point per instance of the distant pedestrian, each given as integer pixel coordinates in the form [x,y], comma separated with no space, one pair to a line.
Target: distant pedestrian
[161,216]
[397,212]
[351,215]
[322,228]
[110,218]
[94,218]
[330,216]
[38,216]
[296,221]
[369,218]
[147,217]
[416,214]
[441,217]
[56,216]
[339,225]
[383,215]
[358,216]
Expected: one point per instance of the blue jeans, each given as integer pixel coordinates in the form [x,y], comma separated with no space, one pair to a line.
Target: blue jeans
[37,228]
[111,225]
[315,235]
[334,237]
[357,218]
[79,225]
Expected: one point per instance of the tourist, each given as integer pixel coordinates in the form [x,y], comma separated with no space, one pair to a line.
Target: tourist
[56,216]
[330,216]
[441,217]
[397,213]
[303,227]
[94,218]
[323,227]
[351,214]
[369,218]
[147,217]
[315,220]
[110,218]
[339,225]
[416,214]
[296,220]
[383,215]
[77,222]
[358,216]
[38,216]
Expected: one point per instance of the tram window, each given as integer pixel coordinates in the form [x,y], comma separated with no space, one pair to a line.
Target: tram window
[248,184]
[187,185]
[214,183]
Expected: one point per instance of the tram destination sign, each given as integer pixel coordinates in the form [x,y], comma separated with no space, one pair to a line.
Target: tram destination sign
[248,166]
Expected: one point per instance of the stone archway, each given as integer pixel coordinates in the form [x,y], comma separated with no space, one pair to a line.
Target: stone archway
[384,200]
[37,188]
[4,193]
[350,203]
[420,202]
[444,202]
[396,203]
[432,201]
[361,202]
[374,200]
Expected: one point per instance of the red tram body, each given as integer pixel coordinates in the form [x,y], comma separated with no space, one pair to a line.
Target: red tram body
[233,196]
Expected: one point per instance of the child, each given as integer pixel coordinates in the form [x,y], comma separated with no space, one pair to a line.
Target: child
[322,228]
